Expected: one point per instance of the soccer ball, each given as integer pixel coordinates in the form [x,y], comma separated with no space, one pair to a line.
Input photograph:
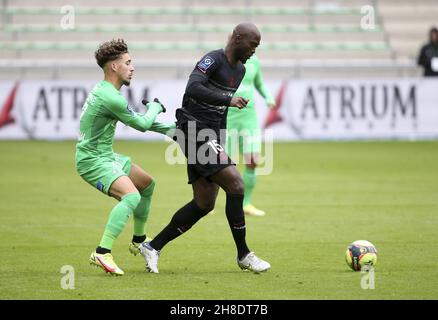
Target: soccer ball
[361,253]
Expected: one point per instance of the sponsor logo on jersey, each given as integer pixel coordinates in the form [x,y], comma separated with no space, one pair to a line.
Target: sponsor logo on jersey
[100,186]
[205,63]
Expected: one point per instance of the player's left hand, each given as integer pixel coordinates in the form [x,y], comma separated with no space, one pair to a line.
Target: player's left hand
[270,102]
[145,102]
[239,102]
[162,105]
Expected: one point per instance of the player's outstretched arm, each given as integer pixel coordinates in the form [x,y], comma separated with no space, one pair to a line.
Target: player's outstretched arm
[154,108]
[128,116]
[167,129]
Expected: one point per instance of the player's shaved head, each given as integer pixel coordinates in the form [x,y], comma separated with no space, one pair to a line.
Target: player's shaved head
[247,29]
[243,42]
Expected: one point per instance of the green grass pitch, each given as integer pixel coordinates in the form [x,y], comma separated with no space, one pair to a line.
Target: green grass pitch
[319,198]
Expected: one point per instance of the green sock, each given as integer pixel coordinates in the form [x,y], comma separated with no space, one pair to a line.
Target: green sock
[118,218]
[249,181]
[141,213]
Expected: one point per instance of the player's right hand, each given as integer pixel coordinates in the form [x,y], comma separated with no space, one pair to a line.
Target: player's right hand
[238,102]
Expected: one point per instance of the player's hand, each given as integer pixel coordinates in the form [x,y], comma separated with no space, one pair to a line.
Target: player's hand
[238,102]
[270,102]
[162,105]
[272,105]
[145,102]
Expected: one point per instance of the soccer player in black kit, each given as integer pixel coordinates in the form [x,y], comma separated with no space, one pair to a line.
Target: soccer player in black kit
[209,94]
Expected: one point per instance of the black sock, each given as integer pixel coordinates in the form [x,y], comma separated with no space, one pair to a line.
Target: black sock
[138,239]
[181,221]
[101,250]
[236,220]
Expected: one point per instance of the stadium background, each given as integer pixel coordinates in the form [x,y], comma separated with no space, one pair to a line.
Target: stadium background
[316,56]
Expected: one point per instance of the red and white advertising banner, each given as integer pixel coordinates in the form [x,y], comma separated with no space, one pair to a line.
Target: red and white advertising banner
[333,109]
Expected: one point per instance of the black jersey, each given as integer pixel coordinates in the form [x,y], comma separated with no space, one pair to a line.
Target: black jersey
[428,53]
[209,90]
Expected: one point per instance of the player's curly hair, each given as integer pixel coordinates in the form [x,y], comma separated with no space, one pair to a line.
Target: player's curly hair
[109,51]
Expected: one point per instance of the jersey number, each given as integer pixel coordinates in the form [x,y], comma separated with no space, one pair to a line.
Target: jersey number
[215,146]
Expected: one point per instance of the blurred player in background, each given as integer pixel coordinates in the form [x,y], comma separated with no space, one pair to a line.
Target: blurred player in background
[243,129]
[111,173]
[428,57]
[208,96]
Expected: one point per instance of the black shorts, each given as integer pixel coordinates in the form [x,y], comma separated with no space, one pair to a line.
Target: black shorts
[204,152]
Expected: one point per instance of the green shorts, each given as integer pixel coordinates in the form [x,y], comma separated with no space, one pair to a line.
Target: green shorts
[102,172]
[243,132]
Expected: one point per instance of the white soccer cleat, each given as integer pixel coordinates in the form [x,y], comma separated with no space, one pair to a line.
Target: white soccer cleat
[253,263]
[134,248]
[150,256]
[106,262]
[250,210]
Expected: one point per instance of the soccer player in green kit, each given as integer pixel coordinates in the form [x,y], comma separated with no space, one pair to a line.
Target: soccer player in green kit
[243,130]
[111,173]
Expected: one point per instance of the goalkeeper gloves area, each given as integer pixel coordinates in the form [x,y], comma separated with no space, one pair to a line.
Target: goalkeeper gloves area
[146,102]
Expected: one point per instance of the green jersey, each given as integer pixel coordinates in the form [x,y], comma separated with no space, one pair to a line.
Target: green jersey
[253,80]
[103,108]
[243,129]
